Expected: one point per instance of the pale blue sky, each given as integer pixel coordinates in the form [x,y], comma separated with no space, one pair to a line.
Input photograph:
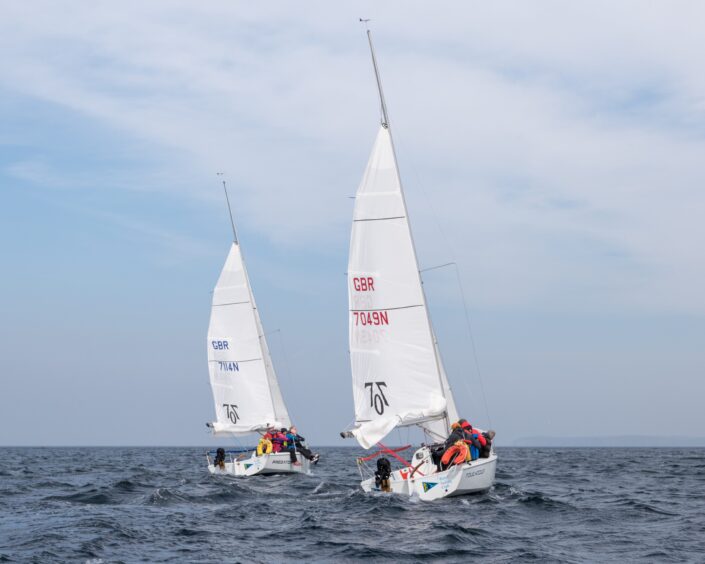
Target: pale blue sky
[555,151]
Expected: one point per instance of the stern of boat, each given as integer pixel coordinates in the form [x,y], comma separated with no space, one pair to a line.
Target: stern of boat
[273,463]
[422,479]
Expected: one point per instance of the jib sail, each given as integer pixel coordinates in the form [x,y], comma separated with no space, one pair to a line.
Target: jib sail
[245,388]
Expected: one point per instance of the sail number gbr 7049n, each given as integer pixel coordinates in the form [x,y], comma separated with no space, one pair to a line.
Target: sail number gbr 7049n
[371,316]
[377,398]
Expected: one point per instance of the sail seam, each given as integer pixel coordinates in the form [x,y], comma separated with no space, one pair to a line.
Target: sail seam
[388,308]
[235,360]
[230,303]
[380,218]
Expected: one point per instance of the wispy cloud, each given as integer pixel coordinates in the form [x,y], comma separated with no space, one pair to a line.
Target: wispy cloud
[561,144]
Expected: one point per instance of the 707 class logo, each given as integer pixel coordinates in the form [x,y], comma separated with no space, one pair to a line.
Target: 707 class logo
[231,412]
[377,399]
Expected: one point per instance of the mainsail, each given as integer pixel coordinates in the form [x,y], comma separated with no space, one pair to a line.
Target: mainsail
[245,388]
[398,376]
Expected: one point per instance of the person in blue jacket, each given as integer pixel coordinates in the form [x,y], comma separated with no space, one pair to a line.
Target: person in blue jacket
[294,444]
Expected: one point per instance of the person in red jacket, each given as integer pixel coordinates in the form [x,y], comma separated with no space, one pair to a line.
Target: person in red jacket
[277,438]
[475,440]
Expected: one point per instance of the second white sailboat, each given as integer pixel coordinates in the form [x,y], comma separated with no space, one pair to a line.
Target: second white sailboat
[245,387]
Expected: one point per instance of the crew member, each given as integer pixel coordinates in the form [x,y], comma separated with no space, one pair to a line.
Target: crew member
[298,442]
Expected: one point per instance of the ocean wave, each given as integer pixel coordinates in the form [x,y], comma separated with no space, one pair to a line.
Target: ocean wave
[162,505]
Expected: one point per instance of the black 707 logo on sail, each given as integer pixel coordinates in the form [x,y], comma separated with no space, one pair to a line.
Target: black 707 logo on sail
[377,399]
[231,411]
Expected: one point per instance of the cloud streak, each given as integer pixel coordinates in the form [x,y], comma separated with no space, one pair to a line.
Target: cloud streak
[561,145]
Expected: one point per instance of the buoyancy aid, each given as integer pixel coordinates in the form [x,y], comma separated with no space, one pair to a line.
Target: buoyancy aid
[264,446]
[278,441]
[290,441]
[480,437]
[458,453]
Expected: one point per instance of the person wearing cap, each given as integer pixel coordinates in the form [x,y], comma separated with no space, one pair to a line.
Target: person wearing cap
[456,434]
[462,430]
[473,438]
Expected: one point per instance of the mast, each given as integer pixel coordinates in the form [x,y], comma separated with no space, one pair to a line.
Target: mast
[386,125]
[383,104]
[230,211]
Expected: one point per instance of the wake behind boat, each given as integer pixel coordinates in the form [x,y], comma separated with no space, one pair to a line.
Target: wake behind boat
[244,384]
[397,370]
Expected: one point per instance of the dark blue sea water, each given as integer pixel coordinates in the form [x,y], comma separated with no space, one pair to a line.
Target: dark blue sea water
[160,504]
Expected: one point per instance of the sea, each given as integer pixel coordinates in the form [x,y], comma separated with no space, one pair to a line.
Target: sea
[97,505]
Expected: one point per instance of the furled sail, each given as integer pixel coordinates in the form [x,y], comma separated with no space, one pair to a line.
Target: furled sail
[245,388]
[396,371]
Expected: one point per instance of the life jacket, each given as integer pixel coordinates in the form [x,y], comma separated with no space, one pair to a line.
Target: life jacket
[264,446]
[278,441]
[458,453]
[290,441]
[480,437]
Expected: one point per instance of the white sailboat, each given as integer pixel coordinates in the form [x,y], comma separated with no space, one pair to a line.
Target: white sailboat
[245,388]
[397,371]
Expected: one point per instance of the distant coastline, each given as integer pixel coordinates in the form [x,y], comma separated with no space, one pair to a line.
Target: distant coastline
[620,441]
[612,441]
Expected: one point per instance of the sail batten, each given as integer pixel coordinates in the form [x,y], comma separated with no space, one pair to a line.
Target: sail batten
[397,374]
[245,389]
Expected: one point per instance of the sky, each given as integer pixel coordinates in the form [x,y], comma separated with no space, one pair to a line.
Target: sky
[555,151]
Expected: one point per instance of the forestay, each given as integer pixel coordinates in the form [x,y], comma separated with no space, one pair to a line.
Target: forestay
[397,374]
[245,388]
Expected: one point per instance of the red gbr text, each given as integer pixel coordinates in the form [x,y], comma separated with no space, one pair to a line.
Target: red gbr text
[370,317]
[364,284]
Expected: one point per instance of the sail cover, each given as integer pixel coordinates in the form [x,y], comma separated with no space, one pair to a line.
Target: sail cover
[397,379]
[245,388]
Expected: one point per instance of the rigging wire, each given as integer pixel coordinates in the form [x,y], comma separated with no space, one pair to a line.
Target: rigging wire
[460,284]
[472,342]
[284,355]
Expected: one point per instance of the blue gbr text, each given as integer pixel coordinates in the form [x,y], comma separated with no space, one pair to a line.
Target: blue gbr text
[228,366]
[220,345]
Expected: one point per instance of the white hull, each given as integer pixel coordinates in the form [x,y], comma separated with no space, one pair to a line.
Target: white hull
[274,463]
[429,484]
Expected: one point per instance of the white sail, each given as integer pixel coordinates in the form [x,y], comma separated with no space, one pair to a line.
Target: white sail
[396,372]
[439,428]
[245,388]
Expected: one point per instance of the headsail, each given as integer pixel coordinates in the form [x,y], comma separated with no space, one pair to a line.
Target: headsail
[397,374]
[245,388]
[438,429]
